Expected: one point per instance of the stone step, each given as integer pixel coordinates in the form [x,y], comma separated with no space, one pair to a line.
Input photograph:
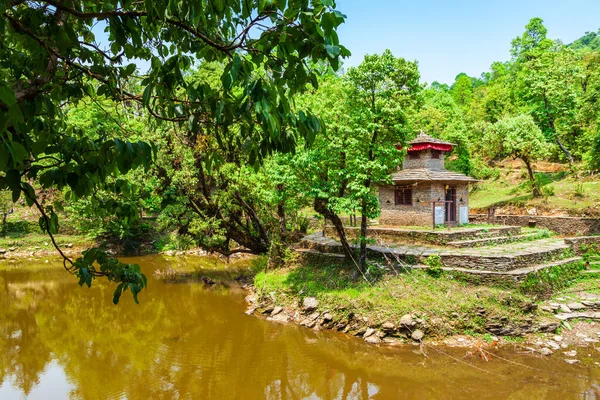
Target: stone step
[492,240]
[504,258]
[535,268]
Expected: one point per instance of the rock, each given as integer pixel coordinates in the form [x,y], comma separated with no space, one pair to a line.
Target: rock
[564,308]
[553,345]
[309,304]
[588,303]
[327,317]
[250,299]
[12,248]
[311,320]
[267,310]
[590,340]
[369,332]
[276,311]
[281,317]
[554,306]
[576,306]
[568,361]
[407,321]
[547,309]
[545,351]
[69,245]
[581,335]
[548,327]
[207,280]
[558,338]
[570,353]
[388,327]
[2,251]
[373,339]
[360,332]
[417,335]
[250,311]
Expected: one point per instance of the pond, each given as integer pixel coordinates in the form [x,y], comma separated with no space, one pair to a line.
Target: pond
[191,341]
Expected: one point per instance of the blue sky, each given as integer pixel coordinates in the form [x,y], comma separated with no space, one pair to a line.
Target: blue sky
[449,37]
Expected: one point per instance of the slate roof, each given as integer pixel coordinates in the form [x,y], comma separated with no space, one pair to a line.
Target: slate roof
[431,175]
[424,138]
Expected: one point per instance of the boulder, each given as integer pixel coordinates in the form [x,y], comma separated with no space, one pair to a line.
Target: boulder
[564,308]
[309,304]
[327,317]
[548,327]
[2,251]
[545,351]
[276,311]
[369,332]
[547,309]
[388,327]
[576,306]
[417,335]
[407,321]
[373,339]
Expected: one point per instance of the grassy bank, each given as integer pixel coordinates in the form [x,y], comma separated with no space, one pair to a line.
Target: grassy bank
[563,193]
[444,304]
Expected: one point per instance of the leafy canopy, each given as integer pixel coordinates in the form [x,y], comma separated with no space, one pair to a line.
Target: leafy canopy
[50,57]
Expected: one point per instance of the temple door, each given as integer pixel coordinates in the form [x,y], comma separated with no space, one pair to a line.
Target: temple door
[450,204]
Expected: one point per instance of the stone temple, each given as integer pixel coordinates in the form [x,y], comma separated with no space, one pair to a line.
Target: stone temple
[423,191]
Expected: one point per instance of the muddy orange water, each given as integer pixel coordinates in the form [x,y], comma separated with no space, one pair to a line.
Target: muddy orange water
[186,341]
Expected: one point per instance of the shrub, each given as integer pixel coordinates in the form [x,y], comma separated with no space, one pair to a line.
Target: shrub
[545,282]
[434,262]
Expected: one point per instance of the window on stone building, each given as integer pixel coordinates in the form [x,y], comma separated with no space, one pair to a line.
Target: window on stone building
[435,154]
[403,196]
[414,155]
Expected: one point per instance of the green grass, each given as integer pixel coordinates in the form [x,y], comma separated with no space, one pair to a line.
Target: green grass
[448,305]
[575,196]
[31,241]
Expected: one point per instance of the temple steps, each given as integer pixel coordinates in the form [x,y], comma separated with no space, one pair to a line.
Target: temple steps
[515,275]
[492,240]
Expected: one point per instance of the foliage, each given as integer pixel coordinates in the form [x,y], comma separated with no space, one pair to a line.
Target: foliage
[50,57]
[545,282]
[519,137]
[434,262]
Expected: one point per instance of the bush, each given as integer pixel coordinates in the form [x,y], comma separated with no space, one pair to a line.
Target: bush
[545,282]
[434,263]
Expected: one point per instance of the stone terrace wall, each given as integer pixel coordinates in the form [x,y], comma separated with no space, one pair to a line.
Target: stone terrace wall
[560,225]
[439,237]
[577,243]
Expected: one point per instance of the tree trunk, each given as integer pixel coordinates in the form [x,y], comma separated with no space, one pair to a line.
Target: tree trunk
[281,216]
[363,239]
[536,189]
[320,206]
[564,149]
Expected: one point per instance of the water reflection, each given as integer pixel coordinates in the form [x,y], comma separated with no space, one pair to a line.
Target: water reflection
[188,341]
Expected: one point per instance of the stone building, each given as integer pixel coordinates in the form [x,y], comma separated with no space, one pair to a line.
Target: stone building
[423,189]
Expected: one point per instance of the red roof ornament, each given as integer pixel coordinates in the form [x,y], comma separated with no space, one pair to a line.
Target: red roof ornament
[423,141]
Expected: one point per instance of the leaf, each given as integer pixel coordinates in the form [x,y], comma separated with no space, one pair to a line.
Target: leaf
[7,96]
[117,293]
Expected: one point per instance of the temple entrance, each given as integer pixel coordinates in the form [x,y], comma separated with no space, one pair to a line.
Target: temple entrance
[450,214]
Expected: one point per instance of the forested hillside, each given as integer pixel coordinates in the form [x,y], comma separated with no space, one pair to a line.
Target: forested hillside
[237,150]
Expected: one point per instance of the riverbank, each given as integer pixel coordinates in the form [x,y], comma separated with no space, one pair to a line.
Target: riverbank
[414,306]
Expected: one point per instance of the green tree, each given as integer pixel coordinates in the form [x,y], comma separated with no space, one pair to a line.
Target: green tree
[519,137]
[383,92]
[50,56]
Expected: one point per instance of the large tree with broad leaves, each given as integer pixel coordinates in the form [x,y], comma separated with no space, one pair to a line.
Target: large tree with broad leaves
[51,55]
